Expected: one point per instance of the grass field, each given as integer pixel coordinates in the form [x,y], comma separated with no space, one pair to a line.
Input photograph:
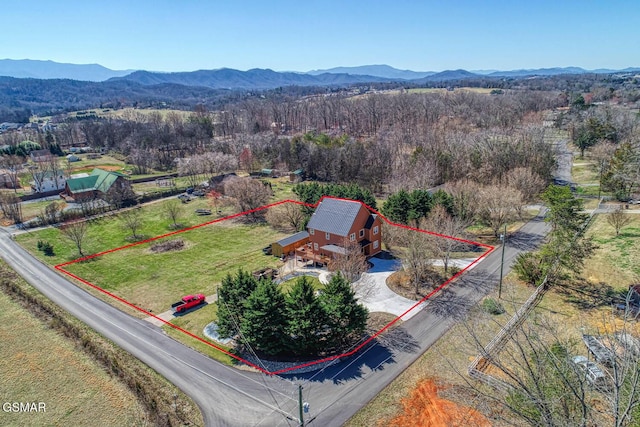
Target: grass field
[39,365]
[127,113]
[617,259]
[194,322]
[154,280]
[584,173]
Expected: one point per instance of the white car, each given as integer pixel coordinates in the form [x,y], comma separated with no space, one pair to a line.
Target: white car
[594,375]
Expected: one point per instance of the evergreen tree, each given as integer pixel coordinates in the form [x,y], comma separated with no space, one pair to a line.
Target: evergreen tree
[565,211]
[443,199]
[231,298]
[421,203]
[397,207]
[312,192]
[264,323]
[566,247]
[345,320]
[305,318]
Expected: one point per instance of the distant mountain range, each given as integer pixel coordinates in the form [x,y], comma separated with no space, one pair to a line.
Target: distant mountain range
[384,71]
[226,78]
[256,79]
[28,68]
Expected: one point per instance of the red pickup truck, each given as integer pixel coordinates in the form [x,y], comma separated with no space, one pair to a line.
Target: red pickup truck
[187,302]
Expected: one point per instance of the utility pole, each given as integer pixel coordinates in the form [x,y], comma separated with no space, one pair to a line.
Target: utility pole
[300,405]
[503,237]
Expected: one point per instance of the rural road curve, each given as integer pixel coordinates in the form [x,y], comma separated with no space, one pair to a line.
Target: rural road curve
[229,397]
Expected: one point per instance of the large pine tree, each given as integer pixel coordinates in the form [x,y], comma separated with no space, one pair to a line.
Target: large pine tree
[231,298]
[264,323]
[346,319]
[305,318]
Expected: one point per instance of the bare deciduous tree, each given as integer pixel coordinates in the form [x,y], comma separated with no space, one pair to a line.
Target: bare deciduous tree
[441,222]
[415,250]
[51,213]
[543,386]
[173,211]
[466,195]
[288,216]
[76,232]
[11,207]
[529,183]
[132,220]
[499,205]
[618,219]
[351,263]
[249,194]
[12,166]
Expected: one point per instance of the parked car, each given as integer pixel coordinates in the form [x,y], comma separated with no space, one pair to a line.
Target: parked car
[187,302]
[593,374]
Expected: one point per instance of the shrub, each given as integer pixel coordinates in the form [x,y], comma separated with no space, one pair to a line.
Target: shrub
[45,247]
[492,306]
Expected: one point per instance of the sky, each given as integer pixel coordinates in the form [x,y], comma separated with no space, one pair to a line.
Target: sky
[303,35]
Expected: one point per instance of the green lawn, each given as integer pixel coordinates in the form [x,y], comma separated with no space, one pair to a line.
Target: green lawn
[155,280]
[194,322]
[583,173]
[617,259]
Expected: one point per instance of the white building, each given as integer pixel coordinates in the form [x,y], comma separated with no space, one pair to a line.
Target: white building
[48,181]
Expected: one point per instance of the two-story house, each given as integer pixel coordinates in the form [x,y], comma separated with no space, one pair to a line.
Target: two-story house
[336,221]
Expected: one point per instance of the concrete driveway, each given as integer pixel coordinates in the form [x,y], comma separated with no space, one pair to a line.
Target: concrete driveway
[372,290]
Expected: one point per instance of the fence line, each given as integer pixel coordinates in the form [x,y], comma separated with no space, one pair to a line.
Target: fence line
[482,360]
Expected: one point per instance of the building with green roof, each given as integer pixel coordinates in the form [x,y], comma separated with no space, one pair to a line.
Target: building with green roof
[99,184]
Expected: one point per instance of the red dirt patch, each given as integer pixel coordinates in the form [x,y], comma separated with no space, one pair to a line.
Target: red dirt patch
[425,408]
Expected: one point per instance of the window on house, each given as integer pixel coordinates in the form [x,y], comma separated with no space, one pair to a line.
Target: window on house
[311,230]
[375,244]
[315,246]
[352,237]
[327,235]
[362,232]
[375,230]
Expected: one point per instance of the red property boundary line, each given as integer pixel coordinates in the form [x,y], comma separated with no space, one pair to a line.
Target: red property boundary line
[60,267]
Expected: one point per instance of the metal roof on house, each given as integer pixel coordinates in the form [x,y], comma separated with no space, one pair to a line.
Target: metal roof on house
[293,238]
[100,180]
[334,216]
[334,248]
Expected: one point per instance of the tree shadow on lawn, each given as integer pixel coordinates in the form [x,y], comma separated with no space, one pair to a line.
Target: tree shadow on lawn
[373,357]
[587,295]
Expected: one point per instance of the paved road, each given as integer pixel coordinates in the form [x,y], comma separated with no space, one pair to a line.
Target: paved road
[228,396]
[564,157]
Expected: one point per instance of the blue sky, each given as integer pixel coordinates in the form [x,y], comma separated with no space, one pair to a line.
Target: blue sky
[301,35]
